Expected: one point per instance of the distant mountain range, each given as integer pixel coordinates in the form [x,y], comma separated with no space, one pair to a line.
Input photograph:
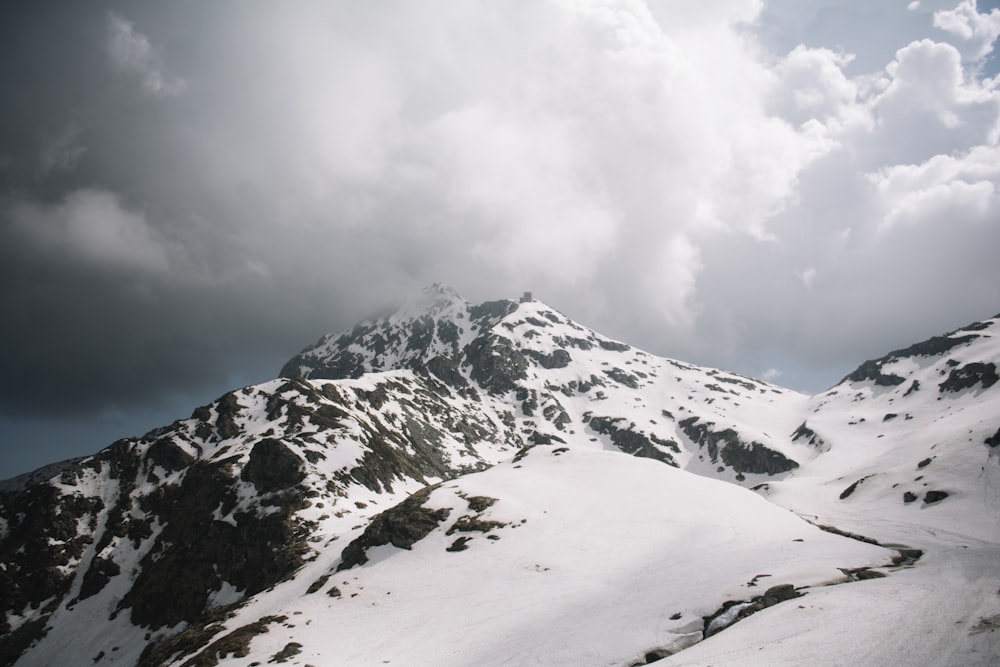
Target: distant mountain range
[495,484]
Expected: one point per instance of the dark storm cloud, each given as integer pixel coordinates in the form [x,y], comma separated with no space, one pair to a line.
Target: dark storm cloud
[191,192]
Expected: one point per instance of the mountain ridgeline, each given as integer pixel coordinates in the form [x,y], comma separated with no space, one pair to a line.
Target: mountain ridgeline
[200,542]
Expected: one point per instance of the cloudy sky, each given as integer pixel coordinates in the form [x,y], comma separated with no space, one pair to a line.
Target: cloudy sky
[191,192]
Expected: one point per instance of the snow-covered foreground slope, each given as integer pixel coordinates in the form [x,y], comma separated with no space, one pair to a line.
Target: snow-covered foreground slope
[945,610]
[497,484]
[566,556]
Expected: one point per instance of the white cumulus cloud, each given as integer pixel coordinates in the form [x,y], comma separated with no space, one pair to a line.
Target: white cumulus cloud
[978,31]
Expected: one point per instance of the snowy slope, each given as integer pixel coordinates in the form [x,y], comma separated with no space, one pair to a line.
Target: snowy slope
[501,485]
[568,556]
[945,610]
[913,437]
[911,446]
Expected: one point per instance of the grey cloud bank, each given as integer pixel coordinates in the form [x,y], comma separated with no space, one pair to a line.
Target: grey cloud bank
[191,193]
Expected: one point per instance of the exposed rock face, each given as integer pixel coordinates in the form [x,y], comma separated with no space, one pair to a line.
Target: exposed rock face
[969,375]
[167,455]
[196,553]
[402,526]
[872,370]
[557,359]
[935,346]
[235,643]
[935,496]
[635,443]
[186,559]
[755,458]
[496,365]
[846,493]
[806,434]
[446,370]
[43,540]
[742,457]
[272,467]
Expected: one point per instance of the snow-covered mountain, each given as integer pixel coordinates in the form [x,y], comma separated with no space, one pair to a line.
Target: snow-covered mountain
[487,484]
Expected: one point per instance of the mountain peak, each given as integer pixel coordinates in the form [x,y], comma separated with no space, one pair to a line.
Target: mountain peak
[441,289]
[436,321]
[433,300]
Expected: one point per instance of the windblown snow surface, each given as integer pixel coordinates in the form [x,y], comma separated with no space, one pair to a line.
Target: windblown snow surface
[595,558]
[495,484]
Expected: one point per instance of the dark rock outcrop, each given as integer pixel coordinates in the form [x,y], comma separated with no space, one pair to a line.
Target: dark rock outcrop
[557,359]
[935,496]
[932,347]
[846,493]
[42,538]
[742,457]
[969,375]
[872,370]
[803,432]
[401,526]
[496,364]
[196,552]
[272,466]
[633,442]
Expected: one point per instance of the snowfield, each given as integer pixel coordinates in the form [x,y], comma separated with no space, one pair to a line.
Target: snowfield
[597,558]
[945,610]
